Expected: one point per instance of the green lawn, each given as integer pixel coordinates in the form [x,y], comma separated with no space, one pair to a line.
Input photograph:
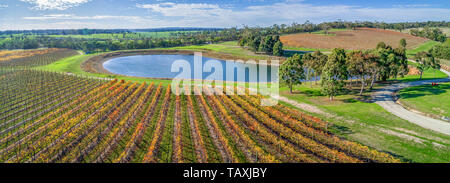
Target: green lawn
[322,32]
[427,74]
[230,48]
[371,125]
[304,49]
[423,47]
[429,99]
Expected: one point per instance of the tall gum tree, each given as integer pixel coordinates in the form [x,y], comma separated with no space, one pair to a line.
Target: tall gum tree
[334,73]
[292,71]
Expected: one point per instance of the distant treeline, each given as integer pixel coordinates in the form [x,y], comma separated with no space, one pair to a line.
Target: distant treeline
[311,27]
[102,31]
[22,41]
[441,50]
[42,38]
[270,45]
[434,34]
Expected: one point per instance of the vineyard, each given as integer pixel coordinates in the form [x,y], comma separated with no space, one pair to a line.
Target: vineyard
[55,117]
[34,57]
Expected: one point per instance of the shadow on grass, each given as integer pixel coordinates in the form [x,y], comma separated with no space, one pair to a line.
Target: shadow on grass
[313,93]
[290,53]
[402,158]
[349,100]
[365,98]
[423,90]
[342,130]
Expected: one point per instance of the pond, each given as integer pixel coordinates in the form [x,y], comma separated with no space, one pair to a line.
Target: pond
[159,66]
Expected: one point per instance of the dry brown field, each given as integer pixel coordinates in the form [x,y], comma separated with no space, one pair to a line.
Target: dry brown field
[14,54]
[361,38]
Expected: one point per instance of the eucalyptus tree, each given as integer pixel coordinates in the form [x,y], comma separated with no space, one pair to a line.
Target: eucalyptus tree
[308,61]
[314,63]
[334,73]
[402,43]
[320,60]
[362,65]
[424,61]
[391,62]
[278,49]
[291,71]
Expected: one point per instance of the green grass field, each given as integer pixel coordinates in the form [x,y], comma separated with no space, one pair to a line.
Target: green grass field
[305,49]
[423,47]
[322,32]
[429,99]
[427,74]
[230,48]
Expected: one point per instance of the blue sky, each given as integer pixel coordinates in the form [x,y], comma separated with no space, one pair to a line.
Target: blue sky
[69,14]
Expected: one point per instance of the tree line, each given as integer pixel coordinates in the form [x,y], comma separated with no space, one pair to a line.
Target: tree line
[435,34]
[266,44]
[102,31]
[364,66]
[339,24]
[23,41]
[441,50]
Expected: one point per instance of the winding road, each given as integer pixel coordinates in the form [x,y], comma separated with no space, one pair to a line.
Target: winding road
[384,98]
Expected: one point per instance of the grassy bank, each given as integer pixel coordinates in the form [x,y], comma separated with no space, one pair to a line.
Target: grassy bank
[305,49]
[423,47]
[230,48]
[330,32]
[428,99]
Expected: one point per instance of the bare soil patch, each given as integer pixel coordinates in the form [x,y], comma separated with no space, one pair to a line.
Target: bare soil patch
[361,38]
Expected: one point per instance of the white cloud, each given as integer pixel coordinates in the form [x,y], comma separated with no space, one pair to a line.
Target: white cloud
[294,1]
[183,10]
[287,12]
[55,25]
[3,6]
[75,17]
[55,4]
[411,5]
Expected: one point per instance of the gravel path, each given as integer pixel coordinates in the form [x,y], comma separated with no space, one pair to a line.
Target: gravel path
[384,98]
